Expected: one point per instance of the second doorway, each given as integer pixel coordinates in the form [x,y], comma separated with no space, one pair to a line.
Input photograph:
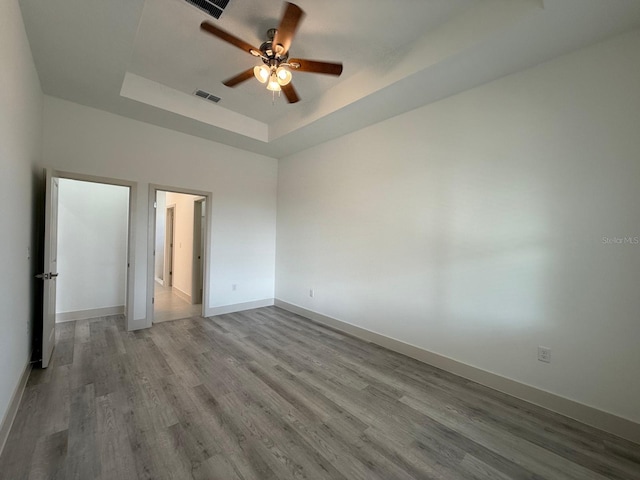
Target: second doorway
[179,255]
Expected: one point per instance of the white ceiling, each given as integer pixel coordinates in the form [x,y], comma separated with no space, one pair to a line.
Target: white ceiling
[169,30]
[144,58]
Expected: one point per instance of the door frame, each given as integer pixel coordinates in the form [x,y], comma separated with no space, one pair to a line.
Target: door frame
[151,242]
[133,192]
[197,258]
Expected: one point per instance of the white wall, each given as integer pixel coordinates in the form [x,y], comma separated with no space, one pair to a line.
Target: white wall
[92,245]
[20,149]
[89,141]
[183,240]
[473,227]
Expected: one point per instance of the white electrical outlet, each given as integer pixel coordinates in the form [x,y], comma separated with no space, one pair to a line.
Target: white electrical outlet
[544,354]
[311,292]
[234,287]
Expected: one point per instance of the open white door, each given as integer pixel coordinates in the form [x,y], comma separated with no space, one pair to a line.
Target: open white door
[50,268]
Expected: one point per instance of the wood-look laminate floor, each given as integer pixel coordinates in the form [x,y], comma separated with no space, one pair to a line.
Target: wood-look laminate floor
[267,395]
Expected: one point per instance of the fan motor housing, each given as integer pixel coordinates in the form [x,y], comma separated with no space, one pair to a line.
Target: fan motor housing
[270,57]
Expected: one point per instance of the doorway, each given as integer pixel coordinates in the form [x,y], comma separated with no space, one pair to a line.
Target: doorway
[178,257]
[92,249]
[81,225]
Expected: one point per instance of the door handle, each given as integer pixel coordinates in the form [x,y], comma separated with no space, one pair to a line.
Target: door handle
[46,276]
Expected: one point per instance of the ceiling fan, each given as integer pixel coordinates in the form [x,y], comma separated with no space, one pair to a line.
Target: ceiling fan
[274,71]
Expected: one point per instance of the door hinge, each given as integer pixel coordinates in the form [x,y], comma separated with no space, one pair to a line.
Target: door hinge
[153,300]
[155,204]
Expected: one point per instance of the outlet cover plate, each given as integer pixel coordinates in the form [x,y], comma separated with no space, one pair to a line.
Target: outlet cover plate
[544,354]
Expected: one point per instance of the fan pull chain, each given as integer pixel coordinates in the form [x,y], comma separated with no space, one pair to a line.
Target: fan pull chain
[273,96]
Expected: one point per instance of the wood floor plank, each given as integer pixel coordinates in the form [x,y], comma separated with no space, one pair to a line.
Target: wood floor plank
[63,353]
[267,395]
[317,398]
[199,432]
[218,467]
[83,459]
[253,455]
[168,456]
[15,461]
[494,444]
[112,440]
[542,433]
[144,448]
[82,333]
[392,445]
[48,461]
[65,331]
[58,404]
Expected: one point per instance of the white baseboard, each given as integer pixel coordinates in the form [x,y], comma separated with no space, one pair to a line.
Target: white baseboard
[92,313]
[238,307]
[179,293]
[12,409]
[608,422]
[159,280]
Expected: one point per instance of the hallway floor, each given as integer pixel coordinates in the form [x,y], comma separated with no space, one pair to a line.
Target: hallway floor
[169,306]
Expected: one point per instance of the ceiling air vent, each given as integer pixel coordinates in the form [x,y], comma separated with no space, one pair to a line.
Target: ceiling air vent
[206,96]
[212,7]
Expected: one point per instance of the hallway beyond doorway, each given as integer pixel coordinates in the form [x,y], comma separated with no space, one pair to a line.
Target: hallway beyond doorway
[169,306]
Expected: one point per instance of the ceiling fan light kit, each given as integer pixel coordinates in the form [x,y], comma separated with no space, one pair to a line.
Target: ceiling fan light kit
[261,72]
[273,77]
[273,84]
[274,53]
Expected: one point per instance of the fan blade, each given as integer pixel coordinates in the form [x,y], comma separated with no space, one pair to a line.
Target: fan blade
[314,66]
[290,93]
[241,77]
[288,25]
[227,37]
